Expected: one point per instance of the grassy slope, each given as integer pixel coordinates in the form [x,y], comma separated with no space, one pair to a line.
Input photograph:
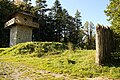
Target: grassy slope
[75,64]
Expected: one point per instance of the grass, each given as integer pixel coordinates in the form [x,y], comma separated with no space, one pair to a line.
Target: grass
[73,64]
[35,48]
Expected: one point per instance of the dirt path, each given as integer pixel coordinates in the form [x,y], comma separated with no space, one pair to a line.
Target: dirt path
[21,72]
[12,71]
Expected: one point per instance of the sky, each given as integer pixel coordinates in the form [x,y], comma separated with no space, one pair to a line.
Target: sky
[91,10]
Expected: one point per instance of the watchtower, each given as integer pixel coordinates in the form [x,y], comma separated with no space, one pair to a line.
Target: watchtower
[21,25]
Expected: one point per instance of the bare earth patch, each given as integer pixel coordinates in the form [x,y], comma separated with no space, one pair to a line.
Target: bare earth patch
[15,72]
[11,71]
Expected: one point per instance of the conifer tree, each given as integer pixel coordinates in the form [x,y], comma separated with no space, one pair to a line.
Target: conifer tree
[6,9]
[113,14]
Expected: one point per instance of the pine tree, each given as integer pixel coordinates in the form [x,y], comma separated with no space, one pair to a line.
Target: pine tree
[39,11]
[57,17]
[6,9]
[113,14]
[89,35]
[78,33]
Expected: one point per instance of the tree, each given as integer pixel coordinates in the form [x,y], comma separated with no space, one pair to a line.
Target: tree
[78,33]
[113,14]
[89,35]
[57,17]
[64,25]
[6,9]
[24,6]
[86,34]
[66,28]
[92,36]
[39,11]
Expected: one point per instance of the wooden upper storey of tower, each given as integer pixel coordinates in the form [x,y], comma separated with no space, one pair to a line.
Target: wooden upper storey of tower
[22,18]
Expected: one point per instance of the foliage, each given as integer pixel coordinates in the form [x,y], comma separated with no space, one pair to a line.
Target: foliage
[6,8]
[89,35]
[113,14]
[58,25]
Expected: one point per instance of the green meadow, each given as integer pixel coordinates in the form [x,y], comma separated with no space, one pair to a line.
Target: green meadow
[52,61]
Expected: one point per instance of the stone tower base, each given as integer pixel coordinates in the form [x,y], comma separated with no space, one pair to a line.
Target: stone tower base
[19,34]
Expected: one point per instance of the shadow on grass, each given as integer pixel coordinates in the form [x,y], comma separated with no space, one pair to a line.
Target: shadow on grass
[114,60]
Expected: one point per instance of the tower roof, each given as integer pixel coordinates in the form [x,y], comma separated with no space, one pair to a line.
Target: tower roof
[22,18]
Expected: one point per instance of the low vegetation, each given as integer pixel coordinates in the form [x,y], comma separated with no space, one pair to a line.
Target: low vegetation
[54,63]
[37,49]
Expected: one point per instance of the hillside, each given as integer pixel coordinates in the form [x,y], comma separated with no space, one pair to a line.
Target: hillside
[51,61]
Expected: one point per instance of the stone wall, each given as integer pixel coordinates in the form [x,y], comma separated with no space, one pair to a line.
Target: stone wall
[13,35]
[19,34]
[24,34]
